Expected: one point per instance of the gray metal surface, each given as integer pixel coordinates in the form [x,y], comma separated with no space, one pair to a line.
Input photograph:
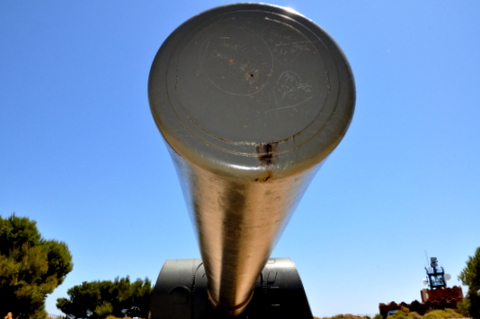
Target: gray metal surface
[181,292]
[250,98]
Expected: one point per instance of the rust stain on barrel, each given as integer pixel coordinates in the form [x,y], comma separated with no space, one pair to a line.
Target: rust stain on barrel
[265,152]
[265,155]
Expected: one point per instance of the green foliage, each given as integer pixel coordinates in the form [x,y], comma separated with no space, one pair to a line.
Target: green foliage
[470,276]
[474,309]
[405,313]
[30,267]
[99,299]
[345,316]
[463,307]
[442,314]
[104,309]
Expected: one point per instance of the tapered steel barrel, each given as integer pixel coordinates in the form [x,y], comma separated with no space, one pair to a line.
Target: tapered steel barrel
[250,98]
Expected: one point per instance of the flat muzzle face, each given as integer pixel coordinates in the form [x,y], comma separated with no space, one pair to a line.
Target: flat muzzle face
[250,98]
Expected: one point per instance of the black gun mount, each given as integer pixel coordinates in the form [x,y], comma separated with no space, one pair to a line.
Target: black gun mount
[250,99]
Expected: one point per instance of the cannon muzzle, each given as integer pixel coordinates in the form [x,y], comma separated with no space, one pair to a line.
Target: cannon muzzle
[250,98]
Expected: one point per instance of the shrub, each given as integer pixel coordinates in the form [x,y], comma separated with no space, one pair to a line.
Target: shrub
[405,313]
[441,314]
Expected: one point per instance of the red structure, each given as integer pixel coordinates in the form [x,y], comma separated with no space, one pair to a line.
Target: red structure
[437,297]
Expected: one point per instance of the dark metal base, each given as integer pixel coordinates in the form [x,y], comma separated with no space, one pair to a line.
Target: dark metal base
[181,293]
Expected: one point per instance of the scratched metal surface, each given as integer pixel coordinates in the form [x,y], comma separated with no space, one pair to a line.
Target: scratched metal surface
[251,99]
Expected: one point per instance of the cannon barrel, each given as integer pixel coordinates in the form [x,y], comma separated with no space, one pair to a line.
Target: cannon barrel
[250,98]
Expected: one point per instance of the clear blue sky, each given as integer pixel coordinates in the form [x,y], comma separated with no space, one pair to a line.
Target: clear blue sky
[81,155]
